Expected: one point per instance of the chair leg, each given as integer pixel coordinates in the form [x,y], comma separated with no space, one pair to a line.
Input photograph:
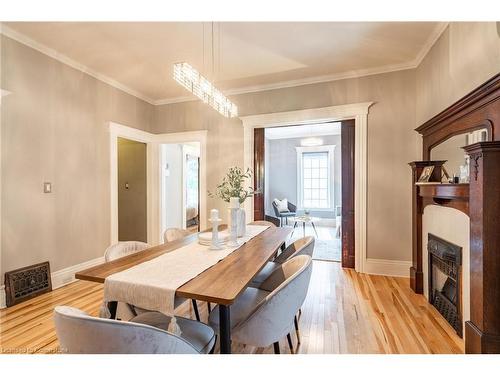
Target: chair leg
[195,308]
[290,344]
[276,348]
[296,322]
[209,307]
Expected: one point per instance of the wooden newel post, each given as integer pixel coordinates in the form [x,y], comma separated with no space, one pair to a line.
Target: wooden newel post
[416,272]
[482,332]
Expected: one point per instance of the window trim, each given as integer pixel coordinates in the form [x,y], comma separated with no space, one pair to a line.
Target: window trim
[330,149]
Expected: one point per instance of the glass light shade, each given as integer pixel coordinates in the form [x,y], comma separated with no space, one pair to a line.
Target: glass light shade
[194,82]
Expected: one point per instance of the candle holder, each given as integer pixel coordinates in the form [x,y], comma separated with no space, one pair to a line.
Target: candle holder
[216,244]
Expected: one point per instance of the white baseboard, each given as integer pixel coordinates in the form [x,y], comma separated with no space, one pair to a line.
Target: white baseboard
[67,275]
[59,278]
[387,267]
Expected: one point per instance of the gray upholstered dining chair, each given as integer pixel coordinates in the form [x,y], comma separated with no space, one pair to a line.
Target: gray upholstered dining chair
[79,333]
[123,248]
[262,316]
[174,234]
[292,211]
[303,245]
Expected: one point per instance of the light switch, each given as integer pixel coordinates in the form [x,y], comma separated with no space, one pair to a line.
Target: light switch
[47,187]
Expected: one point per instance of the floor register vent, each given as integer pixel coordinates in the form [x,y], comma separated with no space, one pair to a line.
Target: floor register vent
[27,282]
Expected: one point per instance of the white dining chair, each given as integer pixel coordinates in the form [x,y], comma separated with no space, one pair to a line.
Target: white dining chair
[262,316]
[79,333]
[123,248]
[174,234]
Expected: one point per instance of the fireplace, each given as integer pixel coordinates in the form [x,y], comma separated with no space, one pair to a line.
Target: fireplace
[445,274]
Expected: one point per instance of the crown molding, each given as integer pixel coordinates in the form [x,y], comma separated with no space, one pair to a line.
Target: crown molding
[7,31]
[18,37]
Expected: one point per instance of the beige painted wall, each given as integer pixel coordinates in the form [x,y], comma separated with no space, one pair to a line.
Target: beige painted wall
[465,56]
[54,128]
[132,191]
[391,143]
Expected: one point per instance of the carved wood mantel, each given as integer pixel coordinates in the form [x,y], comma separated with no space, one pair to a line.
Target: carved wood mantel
[480,200]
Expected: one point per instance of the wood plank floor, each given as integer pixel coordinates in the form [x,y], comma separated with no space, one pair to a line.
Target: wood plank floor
[345,312]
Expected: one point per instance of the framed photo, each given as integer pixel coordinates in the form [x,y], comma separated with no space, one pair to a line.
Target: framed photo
[426,174]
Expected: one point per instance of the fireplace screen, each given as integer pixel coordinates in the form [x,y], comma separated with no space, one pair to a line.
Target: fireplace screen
[445,263]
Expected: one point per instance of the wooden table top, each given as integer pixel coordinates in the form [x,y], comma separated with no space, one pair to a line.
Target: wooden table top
[222,283]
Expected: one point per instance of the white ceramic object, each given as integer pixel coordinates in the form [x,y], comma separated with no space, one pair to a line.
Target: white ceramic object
[242,222]
[234,206]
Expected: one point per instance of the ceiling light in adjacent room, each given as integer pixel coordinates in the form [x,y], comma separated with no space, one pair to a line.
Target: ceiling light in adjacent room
[313,141]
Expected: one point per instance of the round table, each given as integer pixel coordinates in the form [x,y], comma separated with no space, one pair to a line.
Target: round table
[305,219]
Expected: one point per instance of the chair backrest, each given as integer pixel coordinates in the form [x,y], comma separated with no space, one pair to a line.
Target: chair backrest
[264,222]
[292,207]
[173,234]
[123,248]
[79,333]
[301,246]
[273,318]
[275,208]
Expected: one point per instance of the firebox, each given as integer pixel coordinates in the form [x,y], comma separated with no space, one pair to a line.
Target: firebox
[445,274]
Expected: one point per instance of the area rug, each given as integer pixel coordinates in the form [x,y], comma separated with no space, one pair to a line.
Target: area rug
[327,250]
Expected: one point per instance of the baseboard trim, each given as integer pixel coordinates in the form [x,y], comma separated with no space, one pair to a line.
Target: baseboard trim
[387,267]
[59,278]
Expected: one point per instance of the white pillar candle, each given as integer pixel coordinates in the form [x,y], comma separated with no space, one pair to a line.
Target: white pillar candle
[214,214]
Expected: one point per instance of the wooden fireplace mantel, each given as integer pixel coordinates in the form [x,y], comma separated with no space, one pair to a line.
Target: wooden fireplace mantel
[446,195]
[480,200]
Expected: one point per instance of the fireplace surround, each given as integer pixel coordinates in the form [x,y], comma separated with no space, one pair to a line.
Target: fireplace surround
[480,200]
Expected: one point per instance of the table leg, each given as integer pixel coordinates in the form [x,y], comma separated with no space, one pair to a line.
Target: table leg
[314,227]
[294,225]
[224,329]
[112,306]
[304,228]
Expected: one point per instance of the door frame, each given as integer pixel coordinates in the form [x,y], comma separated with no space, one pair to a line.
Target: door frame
[358,112]
[153,171]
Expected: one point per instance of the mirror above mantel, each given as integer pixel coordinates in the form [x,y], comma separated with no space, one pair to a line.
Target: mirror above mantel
[452,150]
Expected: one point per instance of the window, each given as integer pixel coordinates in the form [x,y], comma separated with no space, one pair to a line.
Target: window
[314,171]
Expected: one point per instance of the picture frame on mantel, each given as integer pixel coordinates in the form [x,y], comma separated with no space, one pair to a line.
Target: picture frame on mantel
[426,174]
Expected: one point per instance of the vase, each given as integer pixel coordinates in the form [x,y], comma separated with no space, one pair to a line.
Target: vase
[234,208]
[242,222]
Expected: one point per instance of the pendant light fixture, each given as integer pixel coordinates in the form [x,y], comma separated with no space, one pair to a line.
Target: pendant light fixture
[192,80]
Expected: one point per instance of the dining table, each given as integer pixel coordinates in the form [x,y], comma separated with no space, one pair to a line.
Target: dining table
[220,284]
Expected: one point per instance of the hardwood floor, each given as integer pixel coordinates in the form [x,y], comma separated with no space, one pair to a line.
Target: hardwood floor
[345,312]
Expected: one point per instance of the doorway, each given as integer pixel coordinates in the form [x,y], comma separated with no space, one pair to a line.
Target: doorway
[132,190]
[321,200]
[180,186]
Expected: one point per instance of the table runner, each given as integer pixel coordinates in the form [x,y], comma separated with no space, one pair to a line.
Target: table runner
[151,285]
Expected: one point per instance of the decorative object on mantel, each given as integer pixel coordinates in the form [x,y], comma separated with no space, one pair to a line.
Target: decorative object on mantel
[464,171]
[426,174]
[233,186]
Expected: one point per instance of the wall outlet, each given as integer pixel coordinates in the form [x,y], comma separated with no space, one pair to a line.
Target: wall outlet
[47,187]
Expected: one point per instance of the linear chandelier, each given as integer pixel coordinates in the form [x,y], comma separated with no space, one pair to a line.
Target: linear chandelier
[193,81]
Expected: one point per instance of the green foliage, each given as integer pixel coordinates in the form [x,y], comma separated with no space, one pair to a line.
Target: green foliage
[233,185]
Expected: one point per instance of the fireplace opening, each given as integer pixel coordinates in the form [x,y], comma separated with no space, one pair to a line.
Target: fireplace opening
[445,274]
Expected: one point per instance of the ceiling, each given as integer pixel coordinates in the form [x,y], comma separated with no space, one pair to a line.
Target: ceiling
[248,56]
[300,131]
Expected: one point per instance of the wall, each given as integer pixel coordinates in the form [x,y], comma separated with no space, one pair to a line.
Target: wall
[55,128]
[132,201]
[282,170]
[172,188]
[465,56]
[392,143]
